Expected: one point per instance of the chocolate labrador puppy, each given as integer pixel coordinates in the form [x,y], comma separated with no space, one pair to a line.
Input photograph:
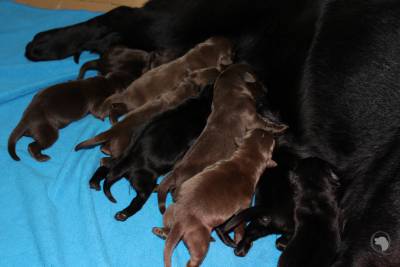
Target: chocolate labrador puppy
[272,212]
[214,195]
[117,138]
[57,106]
[234,112]
[154,150]
[214,52]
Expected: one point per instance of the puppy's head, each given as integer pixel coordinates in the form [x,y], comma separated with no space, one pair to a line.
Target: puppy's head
[223,49]
[70,41]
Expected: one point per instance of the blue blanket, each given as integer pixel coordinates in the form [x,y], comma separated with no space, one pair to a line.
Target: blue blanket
[49,216]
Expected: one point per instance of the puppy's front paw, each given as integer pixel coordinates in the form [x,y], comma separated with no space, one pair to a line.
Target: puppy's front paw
[243,248]
[94,185]
[160,232]
[120,216]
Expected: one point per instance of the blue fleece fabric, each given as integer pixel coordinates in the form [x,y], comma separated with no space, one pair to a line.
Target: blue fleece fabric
[48,215]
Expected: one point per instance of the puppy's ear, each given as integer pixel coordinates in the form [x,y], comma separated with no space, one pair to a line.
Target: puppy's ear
[249,77]
[271,164]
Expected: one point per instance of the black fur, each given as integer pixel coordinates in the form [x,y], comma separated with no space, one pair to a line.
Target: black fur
[332,69]
[273,207]
[155,149]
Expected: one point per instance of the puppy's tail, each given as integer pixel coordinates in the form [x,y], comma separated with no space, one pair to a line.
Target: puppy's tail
[94,141]
[174,236]
[15,135]
[245,215]
[90,65]
[162,192]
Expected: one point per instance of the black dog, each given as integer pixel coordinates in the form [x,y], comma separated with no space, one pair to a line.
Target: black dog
[347,112]
[155,149]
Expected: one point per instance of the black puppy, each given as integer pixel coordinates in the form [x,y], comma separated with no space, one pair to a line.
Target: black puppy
[154,150]
[123,59]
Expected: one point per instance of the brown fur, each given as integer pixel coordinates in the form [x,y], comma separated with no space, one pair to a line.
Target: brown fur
[214,52]
[233,113]
[57,106]
[117,138]
[214,195]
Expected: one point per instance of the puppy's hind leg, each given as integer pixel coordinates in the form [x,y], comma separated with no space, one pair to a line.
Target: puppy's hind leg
[44,135]
[253,231]
[109,181]
[144,184]
[99,175]
[197,242]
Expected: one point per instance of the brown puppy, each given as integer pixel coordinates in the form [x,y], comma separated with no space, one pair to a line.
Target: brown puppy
[214,52]
[117,138]
[214,195]
[55,107]
[233,113]
[123,59]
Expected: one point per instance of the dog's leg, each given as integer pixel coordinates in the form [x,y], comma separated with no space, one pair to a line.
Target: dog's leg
[144,186]
[44,135]
[225,238]
[197,242]
[239,233]
[116,111]
[99,175]
[253,231]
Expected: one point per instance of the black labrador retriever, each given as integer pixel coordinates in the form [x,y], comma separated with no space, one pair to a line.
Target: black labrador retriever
[332,69]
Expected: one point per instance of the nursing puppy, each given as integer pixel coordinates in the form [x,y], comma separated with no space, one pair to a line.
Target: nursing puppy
[117,138]
[234,112]
[123,59]
[200,207]
[214,52]
[59,105]
[272,212]
[155,149]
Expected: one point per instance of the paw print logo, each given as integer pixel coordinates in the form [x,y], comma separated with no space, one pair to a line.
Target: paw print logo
[380,242]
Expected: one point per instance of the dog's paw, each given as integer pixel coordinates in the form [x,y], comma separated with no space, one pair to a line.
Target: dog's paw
[94,185]
[120,216]
[160,232]
[243,248]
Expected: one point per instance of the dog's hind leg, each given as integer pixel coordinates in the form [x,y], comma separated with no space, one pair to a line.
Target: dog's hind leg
[99,175]
[108,183]
[144,184]
[253,231]
[197,242]
[44,135]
